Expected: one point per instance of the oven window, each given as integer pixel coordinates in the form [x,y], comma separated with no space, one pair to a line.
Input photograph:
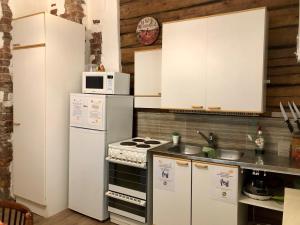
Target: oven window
[128,177]
[127,207]
[94,82]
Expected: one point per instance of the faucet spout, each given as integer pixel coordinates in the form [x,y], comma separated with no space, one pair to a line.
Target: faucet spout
[203,135]
[211,139]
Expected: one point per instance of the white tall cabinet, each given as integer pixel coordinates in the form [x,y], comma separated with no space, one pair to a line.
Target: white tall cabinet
[215,63]
[48,60]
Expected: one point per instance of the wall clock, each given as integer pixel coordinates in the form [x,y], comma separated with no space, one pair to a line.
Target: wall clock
[147,30]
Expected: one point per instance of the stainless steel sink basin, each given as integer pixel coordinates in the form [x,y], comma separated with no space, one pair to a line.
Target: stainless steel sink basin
[230,154]
[186,149]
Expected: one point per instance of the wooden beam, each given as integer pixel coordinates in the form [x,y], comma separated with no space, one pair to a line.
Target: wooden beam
[285,80]
[282,62]
[284,17]
[283,37]
[279,53]
[286,70]
[274,101]
[146,7]
[285,91]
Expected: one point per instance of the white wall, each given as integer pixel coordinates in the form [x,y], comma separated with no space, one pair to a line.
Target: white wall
[106,10]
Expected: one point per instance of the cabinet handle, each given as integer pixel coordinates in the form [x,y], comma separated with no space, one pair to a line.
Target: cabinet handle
[16,45]
[201,166]
[214,108]
[197,106]
[181,163]
[17,124]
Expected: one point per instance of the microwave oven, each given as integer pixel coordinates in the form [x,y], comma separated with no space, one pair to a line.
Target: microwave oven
[111,83]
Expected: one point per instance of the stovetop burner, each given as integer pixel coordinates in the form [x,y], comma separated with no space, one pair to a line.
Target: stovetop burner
[152,142]
[138,140]
[128,143]
[143,146]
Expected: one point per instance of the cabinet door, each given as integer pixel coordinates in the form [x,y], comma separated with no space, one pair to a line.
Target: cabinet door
[147,78]
[29,129]
[29,30]
[208,207]
[171,191]
[235,61]
[183,64]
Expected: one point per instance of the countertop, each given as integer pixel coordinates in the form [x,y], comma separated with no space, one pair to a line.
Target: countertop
[268,162]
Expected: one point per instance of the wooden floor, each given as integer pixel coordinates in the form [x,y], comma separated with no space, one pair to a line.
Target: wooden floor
[67,217]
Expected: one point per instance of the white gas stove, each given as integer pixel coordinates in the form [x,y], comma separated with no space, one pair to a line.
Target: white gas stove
[132,152]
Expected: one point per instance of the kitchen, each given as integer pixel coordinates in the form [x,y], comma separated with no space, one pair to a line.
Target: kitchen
[235,95]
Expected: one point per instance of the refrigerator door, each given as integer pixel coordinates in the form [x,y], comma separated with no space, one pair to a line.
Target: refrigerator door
[88,111]
[88,173]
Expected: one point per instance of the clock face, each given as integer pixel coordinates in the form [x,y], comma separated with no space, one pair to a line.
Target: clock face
[147,31]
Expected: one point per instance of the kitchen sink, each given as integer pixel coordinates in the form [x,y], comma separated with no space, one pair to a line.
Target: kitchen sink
[229,154]
[186,149]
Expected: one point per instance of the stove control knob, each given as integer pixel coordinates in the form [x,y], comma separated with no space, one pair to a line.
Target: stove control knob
[140,158]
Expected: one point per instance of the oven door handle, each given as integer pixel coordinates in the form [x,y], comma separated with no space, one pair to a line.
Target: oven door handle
[124,198]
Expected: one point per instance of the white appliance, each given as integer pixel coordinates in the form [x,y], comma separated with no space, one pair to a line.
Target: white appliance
[130,195]
[48,60]
[111,83]
[95,121]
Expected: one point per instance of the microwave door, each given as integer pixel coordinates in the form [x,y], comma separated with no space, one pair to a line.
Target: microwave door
[96,83]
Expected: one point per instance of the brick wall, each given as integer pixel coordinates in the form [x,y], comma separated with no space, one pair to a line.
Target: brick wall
[74,11]
[5,99]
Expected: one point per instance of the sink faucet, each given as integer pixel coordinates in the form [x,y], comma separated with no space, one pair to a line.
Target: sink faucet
[211,139]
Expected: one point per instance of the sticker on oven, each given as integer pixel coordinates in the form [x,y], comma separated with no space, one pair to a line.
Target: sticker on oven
[165,176]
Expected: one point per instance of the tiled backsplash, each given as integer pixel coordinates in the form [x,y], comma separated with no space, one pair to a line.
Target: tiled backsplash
[231,130]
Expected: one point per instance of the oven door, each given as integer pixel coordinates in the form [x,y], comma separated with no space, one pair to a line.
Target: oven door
[128,180]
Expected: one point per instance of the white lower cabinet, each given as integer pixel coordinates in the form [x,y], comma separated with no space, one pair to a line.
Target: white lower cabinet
[171,191]
[195,193]
[214,194]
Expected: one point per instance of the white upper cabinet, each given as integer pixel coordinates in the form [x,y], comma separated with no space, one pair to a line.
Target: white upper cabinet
[183,64]
[147,78]
[235,62]
[217,63]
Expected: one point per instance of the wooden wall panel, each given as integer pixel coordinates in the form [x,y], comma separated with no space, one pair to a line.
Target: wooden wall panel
[283,69]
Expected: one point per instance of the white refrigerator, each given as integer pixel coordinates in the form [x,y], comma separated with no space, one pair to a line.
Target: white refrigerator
[95,122]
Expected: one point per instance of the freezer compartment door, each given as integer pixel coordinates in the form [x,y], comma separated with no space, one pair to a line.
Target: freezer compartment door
[88,173]
[88,111]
